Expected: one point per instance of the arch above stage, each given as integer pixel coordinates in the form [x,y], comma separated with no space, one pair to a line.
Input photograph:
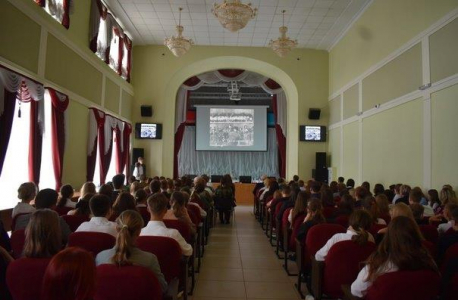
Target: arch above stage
[232,62]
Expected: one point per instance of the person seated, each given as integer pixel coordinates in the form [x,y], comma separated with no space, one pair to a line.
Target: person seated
[327,197]
[129,225]
[66,194]
[383,206]
[26,192]
[45,199]
[118,185]
[155,187]
[140,199]
[314,216]
[450,237]
[279,197]
[301,184]
[70,275]
[401,249]
[164,188]
[315,190]
[82,207]
[360,194]
[204,195]
[418,213]
[124,201]
[350,184]
[360,222]
[107,190]
[379,189]
[157,207]
[415,196]
[224,200]
[179,212]
[400,209]
[87,188]
[367,186]
[341,180]
[134,187]
[203,213]
[288,203]
[447,217]
[368,204]
[405,192]
[433,200]
[397,193]
[299,207]
[170,186]
[42,235]
[345,207]
[100,206]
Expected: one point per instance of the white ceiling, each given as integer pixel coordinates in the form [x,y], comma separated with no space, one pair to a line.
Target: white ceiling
[316,24]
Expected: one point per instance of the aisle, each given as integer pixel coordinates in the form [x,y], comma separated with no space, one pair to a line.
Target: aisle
[240,263]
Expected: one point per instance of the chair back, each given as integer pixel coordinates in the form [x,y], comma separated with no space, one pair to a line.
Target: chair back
[297,222]
[13,223]
[430,233]
[127,282]
[342,220]
[342,265]
[451,253]
[4,292]
[194,214]
[284,219]
[375,228]
[62,211]
[329,211]
[386,217]
[145,214]
[93,242]
[74,221]
[319,235]
[167,251]
[24,277]
[17,242]
[405,285]
[182,227]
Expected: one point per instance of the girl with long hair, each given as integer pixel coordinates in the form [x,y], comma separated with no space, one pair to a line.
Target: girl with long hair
[300,206]
[178,211]
[401,249]
[87,188]
[42,235]
[66,194]
[314,216]
[124,201]
[129,225]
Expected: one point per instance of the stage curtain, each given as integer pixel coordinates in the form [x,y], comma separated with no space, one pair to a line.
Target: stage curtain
[237,164]
[6,122]
[96,128]
[59,106]
[281,138]
[35,141]
[122,147]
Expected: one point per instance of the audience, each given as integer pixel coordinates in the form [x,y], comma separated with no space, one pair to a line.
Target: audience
[87,188]
[314,216]
[155,186]
[299,207]
[82,206]
[400,249]
[123,202]
[433,200]
[179,212]
[157,206]
[416,196]
[65,199]
[70,275]
[118,185]
[42,235]
[129,225]
[26,192]
[450,237]
[100,206]
[379,189]
[107,190]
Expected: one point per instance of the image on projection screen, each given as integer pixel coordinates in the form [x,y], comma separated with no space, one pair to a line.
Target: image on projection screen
[313,133]
[148,131]
[231,127]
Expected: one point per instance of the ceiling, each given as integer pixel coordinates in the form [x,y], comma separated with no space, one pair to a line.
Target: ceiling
[316,24]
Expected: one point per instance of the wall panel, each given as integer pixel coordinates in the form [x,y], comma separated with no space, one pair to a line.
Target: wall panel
[351,102]
[334,149]
[443,51]
[334,110]
[350,168]
[112,96]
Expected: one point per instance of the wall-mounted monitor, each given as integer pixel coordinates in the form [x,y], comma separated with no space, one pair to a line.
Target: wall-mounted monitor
[151,131]
[312,133]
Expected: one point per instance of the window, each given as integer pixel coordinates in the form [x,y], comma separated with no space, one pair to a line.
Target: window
[47,178]
[115,50]
[112,168]
[58,9]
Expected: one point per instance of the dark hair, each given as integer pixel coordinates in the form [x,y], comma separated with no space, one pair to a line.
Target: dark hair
[327,198]
[417,210]
[360,193]
[157,203]
[314,205]
[300,205]
[100,205]
[66,192]
[118,181]
[27,191]
[124,201]
[366,185]
[164,184]
[341,179]
[106,190]
[361,222]
[295,178]
[82,206]
[389,194]
[402,246]
[316,186]
[350,183]
[42,234]
[286,189]
[155,186]
[140,196]
[46,198]
[346,205]
[415,195]
[379,189]
[434,197]
[454,213]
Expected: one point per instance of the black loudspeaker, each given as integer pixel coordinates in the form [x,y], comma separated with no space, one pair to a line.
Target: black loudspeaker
[321,175]
[216,178]
[321,160]
[146,111]
[136,153]
[245,179]
[314,113]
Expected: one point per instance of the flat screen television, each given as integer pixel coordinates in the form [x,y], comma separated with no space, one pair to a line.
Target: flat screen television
[152,131]
[312,133]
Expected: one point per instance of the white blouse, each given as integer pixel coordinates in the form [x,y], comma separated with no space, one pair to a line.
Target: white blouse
[338,237]
[360,286]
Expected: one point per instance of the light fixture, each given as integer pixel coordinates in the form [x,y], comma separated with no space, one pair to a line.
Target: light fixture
[234,91]
[178,44]
[233,14]
[283,45]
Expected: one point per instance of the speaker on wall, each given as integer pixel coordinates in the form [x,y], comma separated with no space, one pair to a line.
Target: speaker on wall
[314,113]
[136,153]
[146,111]
[321,160]
[321,175]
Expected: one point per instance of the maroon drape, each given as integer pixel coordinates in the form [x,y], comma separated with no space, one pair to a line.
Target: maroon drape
[281,141]
[92,157]
[35,143]
[58,134]
[6,123]
[128,44]
[122,155]
[66,17]
[96,8]
[231,73]
[178,139]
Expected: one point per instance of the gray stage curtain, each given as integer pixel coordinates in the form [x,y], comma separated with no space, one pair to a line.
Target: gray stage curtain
[237,164]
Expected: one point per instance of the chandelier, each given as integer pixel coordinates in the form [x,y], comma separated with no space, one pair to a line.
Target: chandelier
[283,45]
[233,14]
[178,44]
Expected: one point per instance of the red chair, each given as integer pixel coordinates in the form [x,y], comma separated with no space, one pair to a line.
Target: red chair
[145,214]
[342,220]
[93,242]
[62,211]
[341,267]
[432,248]
[430,233]
[74,221]
[24,277]
[386,217]
[16,217]
[329,211]
[451,253]
[17,242]
[298,220]
[375,229]
[127,282]
[405,285]
[4,292]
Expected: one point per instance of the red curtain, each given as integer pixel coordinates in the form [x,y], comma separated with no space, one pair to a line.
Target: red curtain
[66,17]
[6,123]
[122,155]
[35,143]
[281,141]
[92,157]
[58,133]
[128,44]
[178,139]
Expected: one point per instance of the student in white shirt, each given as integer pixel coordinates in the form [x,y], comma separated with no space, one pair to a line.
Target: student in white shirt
[100,206]
[66,194]
[26,192]
[360,222]
[401,249]
[415,196]
[157,206]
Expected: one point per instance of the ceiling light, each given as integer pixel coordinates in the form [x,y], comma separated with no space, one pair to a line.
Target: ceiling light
[283,45]
[178,44]
[233,14]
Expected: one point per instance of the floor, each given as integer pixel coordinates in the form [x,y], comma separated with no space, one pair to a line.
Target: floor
[240,263]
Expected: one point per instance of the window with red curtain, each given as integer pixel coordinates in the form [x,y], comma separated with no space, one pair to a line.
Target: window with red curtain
[58,9]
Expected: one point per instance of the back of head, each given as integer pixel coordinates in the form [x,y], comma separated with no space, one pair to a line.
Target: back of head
[301,183]
[140,196]
[155,186]
[360,221]
[346,204]
[178,199]
[314,206]
[87,188]
[316,186]
[447,195]
[383,205]
[43,234]
[100,205]
[46,198]
[274,186]
[157,204]
[66,192]
[295,178]
[128,224]
[401,209]
[454,214]
[27,191]
[164,185]
[379,189]
[433,195]
[350,183]
[124,201]
[82,207]
[417,210]
[389,194]
[415,195]
[106,189]
[301,203]
[366,185]
[118,181]
[360,193]
[341,179]
[71,274]
[405,190]
[286,190]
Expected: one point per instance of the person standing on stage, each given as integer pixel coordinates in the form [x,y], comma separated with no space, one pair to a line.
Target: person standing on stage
[139,168]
